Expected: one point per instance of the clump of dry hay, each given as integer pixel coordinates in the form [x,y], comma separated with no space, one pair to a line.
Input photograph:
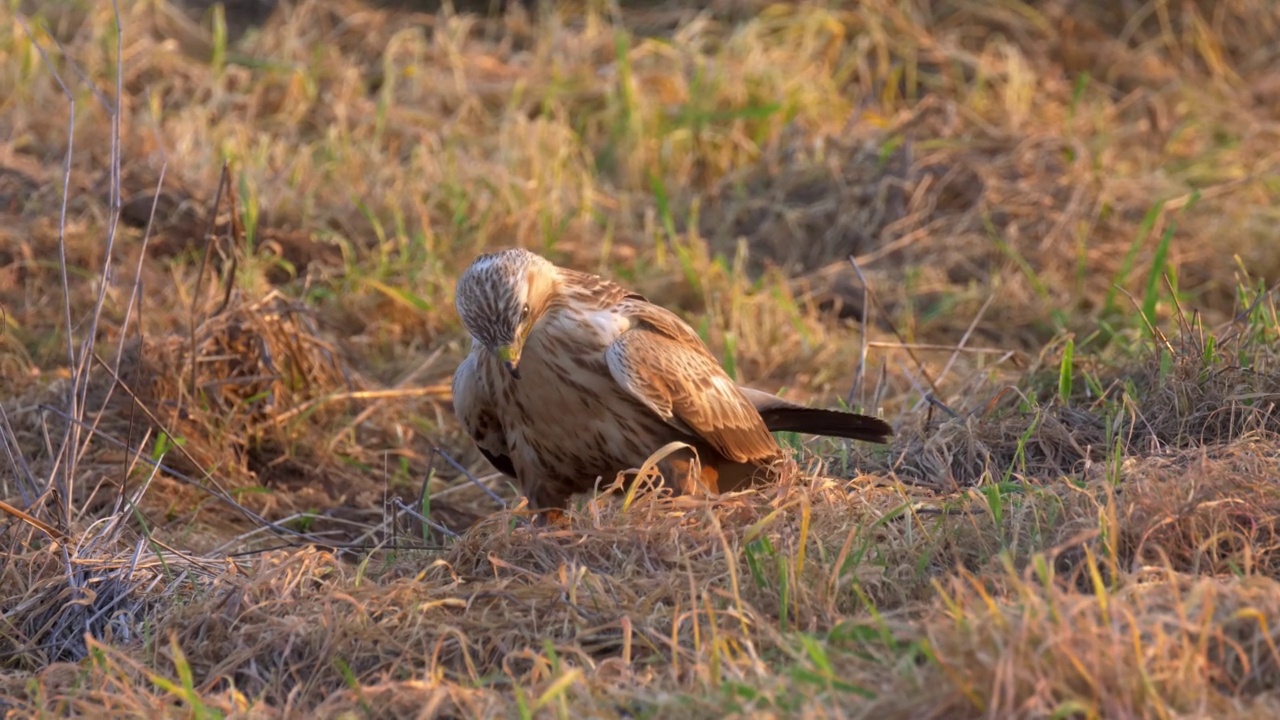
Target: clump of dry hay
[277,409]
[928,187]
[1043,651]
[1044,443]
[620,593]
[1187,392]
[252,363]
[811,201]
[935,193]
[58,601]
[645,600]
[1184,399]
[1210,510]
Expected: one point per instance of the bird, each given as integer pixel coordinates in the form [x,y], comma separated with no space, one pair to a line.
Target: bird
[571,378]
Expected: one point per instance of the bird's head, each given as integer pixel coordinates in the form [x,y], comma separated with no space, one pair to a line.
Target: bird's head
[500,297]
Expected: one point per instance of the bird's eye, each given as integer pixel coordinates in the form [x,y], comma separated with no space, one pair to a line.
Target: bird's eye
[524,312]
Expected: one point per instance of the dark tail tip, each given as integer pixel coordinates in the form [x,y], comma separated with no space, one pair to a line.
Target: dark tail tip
[831,423]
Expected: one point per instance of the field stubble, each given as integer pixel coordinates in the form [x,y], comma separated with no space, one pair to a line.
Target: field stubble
[1062,221]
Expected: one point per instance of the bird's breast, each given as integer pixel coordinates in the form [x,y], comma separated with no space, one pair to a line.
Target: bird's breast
[568,416]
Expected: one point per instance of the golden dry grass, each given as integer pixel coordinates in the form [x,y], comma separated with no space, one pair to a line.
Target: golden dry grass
[1063,223]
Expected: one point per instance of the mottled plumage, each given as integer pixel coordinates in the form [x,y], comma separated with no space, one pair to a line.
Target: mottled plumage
[572,377]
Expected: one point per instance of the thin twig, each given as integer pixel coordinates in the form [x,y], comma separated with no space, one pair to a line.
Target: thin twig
[864,343]
[26,479]
[135,293]
[456,466]
[213,489]
[35,522]
[897,333]
[399,505]
[195,320]
[440,390]
[357,546]
[64,461]
[939,347]
[973,324]
[426,478]
[113,223]
[1155,332]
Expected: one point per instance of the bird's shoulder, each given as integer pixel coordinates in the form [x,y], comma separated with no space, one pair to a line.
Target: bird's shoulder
[585,292]
[650,317]
[598,293]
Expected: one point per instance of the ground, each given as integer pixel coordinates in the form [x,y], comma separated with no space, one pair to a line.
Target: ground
[1040,238]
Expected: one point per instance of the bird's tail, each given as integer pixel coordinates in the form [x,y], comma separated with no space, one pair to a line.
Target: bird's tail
[784,416]
[832,423]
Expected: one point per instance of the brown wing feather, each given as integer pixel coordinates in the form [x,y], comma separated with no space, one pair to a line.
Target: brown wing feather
[664,364]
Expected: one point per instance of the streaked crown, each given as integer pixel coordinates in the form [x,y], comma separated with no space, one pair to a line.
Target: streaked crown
[494,291]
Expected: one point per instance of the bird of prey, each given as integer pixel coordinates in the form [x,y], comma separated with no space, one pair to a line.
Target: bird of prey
[572,377]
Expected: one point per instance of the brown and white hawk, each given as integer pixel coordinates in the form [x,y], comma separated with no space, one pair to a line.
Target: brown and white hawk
[572,378]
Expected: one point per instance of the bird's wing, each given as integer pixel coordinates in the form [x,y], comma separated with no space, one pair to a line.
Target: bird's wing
[475,404]
[663,363]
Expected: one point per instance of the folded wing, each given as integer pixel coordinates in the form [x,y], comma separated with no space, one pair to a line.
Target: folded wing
[663,364]
[477,411]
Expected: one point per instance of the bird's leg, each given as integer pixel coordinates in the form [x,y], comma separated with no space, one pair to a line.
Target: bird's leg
[549,517]
[711,479]
[685,471]
[548,503]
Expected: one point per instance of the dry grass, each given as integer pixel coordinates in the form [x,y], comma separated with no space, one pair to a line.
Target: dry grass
[231,480]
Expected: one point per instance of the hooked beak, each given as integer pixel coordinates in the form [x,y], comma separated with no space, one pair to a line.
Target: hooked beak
[510,360]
